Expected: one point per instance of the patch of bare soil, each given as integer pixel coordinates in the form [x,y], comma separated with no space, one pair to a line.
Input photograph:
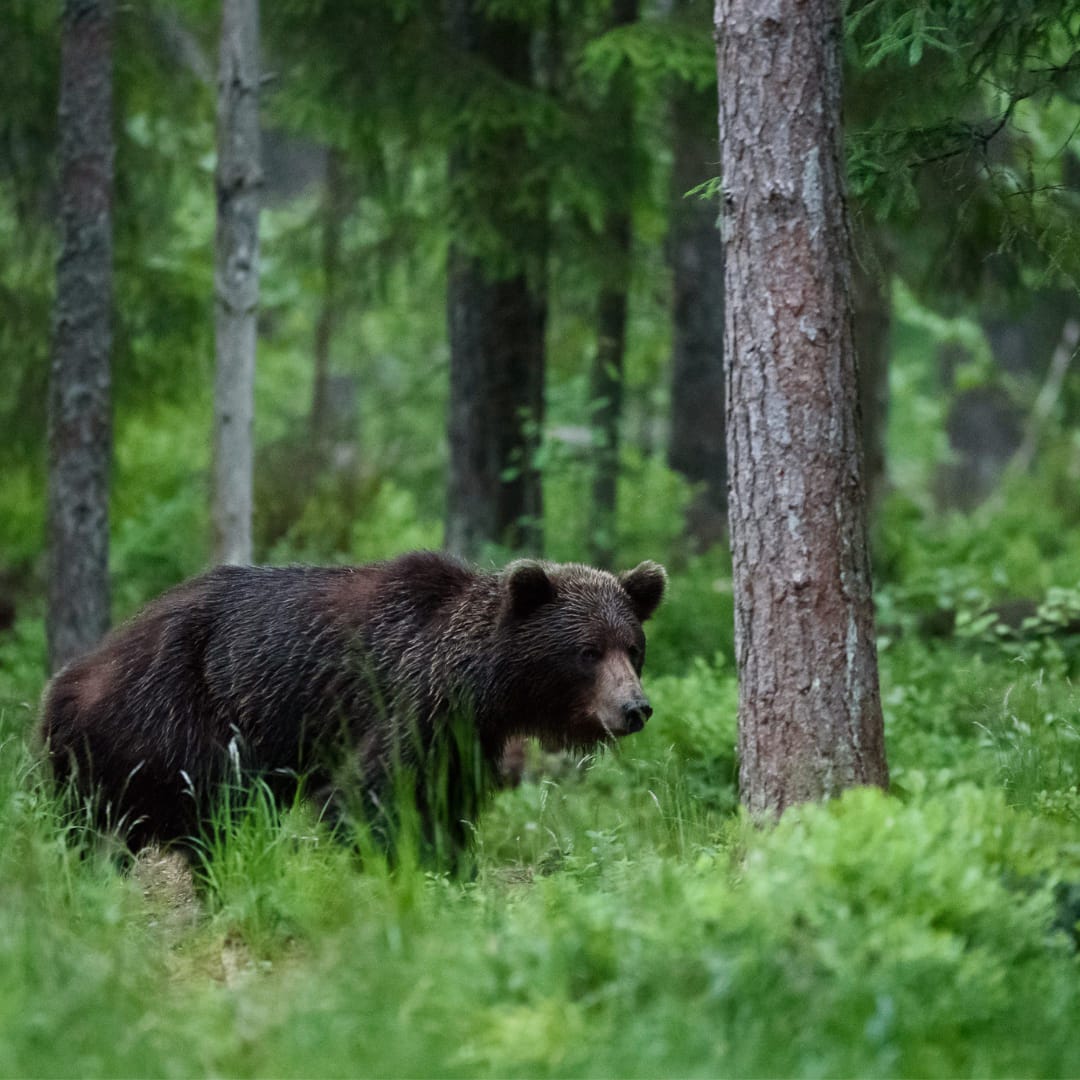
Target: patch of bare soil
[168,886]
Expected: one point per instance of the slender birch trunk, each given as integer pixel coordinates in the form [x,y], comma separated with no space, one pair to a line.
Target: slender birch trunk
[236,279]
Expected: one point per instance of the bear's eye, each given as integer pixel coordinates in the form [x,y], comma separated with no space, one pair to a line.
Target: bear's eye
[589,653]
[635,656]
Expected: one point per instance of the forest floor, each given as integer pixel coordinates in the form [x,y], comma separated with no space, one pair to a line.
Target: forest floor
[624,918]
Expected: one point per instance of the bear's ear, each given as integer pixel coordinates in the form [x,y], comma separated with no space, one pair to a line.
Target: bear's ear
[645,586]
[528,587]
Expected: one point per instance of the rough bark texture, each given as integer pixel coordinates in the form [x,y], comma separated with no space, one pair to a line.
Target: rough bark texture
[497,319]
[612,306]
[696,252]
[236,279]
[80,435]
[809,707]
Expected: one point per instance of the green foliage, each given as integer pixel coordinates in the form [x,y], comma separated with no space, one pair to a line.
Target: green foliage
[615,927]
[922,931]
[22,673]
[1036,740]
[1020,547]
[697,618]
[160,519]
[392,524]
[349,520]
[657,52]
[907,32]
[268,875]
[696,724]
[25,286]
[76,985]
[1001,578]
[651,503]
[621,919]
[22,510]
[951,107]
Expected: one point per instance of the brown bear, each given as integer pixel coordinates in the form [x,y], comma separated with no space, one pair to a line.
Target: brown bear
[350,678]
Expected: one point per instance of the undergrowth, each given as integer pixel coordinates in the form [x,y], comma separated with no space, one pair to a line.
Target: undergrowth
[623,918]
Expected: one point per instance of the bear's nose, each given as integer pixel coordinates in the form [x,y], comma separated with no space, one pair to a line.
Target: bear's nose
[636,713]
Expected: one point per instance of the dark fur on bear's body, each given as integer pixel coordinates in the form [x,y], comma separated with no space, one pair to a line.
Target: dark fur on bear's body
[344,675]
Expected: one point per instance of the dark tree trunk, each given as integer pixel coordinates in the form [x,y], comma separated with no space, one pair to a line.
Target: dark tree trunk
[335,210]
[80,428]
[696,251]
[497,320]
[496,403]
[612,307]
[607,397]
[809,706]
[872,311]
[236,279]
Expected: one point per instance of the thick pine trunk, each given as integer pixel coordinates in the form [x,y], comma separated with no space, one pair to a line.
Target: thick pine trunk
[696,252]
[497,321]
[809,707]
[236,279]
[80,429]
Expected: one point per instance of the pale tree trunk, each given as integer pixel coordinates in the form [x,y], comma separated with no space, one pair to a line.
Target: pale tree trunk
[497,323]
[810,720]
[696,253]
[612,306]
[80,427]
[236,279]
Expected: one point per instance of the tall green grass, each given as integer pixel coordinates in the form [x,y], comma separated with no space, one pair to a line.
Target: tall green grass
[622,920]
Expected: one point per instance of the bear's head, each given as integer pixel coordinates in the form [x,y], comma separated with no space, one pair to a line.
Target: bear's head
[575,649]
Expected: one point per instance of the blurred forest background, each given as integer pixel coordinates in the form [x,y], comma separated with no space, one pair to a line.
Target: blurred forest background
[582,169]
[624,922]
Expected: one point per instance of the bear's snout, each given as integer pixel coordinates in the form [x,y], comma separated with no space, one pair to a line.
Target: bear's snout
[618,706]
[635,713]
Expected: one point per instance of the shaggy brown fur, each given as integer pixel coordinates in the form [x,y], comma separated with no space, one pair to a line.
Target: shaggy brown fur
[351,676]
